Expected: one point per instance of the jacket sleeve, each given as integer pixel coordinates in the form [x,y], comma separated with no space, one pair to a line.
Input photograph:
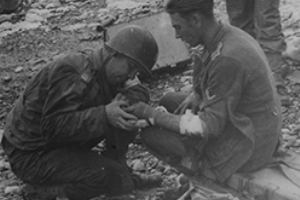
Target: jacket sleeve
[224,85]
[63,120]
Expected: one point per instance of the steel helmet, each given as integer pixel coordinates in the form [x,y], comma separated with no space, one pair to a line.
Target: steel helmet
[136,43]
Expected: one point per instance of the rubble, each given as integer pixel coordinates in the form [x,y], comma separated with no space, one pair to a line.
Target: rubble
[293,48]
[12,189]
[138,165]
[7,77]
[19,69]
[4,165]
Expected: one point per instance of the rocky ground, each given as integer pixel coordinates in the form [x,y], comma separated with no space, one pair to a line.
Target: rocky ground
[44,29]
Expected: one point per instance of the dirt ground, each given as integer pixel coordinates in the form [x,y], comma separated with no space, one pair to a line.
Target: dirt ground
[47,28]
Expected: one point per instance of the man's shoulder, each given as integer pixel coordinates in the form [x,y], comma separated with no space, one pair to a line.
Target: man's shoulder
[239,47]
[237,43]
[77,63]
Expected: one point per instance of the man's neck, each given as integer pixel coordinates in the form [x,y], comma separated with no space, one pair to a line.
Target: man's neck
[212,27]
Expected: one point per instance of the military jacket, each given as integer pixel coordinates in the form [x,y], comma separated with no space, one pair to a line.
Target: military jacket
[238,103]
[64,104]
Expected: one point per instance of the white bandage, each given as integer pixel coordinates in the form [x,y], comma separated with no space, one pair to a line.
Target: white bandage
[141,123]
[191,124]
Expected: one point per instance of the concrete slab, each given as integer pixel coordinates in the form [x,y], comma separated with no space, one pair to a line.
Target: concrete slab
[171,50]
[266,184]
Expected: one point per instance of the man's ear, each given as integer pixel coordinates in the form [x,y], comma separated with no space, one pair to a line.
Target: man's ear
[196,19]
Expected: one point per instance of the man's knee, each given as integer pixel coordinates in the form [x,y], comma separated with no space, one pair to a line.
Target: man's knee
[172,100]
[163,142]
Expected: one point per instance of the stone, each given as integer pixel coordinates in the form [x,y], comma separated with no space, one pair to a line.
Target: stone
[296,143]
[285,101]
[138,165]
[188,73]
[288,137]
[169,89]
[19,69]
[185,78]
[51,6]
[74,27]
[295,77]
[33,17]
[12,189]
[4,165]
[44,13]
[293,49]
[187,88]
[7,77]
[122,4]
[285,131]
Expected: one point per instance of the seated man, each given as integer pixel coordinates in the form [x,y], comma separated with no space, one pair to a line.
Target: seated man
[231,121]
[70,106]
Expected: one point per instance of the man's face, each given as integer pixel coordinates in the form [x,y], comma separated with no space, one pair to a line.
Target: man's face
[120,69]
[185,29]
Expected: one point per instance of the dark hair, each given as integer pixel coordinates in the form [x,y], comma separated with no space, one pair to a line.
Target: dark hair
[186,7]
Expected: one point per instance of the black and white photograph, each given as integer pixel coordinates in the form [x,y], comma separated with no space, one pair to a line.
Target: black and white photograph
[149,100]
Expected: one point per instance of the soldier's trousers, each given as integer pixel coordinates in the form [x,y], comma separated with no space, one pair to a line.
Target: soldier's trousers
[79,172]
[179,151]
[261,19]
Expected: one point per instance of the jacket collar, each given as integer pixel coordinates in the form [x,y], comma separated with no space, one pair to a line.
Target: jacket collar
[214,42]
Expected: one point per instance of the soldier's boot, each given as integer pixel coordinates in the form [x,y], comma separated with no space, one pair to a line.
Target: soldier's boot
[32,192]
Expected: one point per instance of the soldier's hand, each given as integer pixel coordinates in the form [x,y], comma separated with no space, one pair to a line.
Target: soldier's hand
[119,118]
[191,102]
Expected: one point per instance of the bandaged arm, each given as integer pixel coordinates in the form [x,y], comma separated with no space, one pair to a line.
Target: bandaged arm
[187,124]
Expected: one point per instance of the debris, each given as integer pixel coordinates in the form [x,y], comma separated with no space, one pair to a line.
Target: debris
[285,131]
[293,49]
[90,36]
[185,78]
[295,77]
[4,165]
[122,4]
[296,143]
[138,165]
[19,69]
[141,10]
[73,27]
[107,20]
[33,18]
[7,77]
[12,189]
[187,89]
[169,89]
[285,101]
[289,137]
